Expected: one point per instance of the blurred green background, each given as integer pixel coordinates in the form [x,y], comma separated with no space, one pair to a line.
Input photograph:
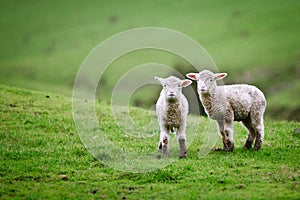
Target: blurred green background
[43,43]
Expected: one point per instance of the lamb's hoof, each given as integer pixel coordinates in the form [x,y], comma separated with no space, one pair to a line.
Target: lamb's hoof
[217,149]
[183,156]
[222,149]
[161,156]
[228,149]
[165,154]
[257,145]
[246,147]
[256,148]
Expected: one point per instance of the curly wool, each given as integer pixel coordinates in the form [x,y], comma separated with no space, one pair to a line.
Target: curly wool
[235,101]
[173,118]
[228,103]
[172,110]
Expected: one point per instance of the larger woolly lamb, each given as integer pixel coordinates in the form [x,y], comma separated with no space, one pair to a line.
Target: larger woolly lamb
[229,103]
[172,109]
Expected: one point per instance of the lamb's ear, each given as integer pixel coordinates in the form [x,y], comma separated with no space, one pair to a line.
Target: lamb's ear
[219,76]
[192,76]
[186,82]
[158,79]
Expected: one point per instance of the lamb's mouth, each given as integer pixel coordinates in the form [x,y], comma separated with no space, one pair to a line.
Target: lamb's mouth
[172,99]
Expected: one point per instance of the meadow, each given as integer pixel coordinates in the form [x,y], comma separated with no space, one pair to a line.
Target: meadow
[44,43]
[43,157]
[44,153]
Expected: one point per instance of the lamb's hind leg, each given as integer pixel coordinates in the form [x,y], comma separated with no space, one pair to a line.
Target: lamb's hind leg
[251,133]
[259,135]
[257,123]
[256,131]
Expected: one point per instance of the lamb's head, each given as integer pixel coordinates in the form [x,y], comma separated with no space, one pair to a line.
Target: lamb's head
[172,87]
[206,80]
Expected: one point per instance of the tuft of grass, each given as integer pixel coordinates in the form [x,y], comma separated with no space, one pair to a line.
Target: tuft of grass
[42,156]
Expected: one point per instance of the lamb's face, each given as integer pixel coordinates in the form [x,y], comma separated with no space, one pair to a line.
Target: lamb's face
[172,87]
[206,80]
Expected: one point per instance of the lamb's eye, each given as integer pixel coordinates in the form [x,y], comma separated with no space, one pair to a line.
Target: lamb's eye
[179,85]
[210,80]
[165,85]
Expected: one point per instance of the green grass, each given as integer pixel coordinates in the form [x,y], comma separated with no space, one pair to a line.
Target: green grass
[44,43]
[39,143]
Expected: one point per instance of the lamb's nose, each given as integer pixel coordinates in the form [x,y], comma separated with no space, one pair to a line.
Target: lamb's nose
[172,93]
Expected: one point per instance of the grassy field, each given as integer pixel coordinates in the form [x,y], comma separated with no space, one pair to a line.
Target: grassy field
[257,42]
[42,156]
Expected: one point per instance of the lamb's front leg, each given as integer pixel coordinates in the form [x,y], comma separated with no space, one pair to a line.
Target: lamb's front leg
[226,130]
[181,138]
[164,141]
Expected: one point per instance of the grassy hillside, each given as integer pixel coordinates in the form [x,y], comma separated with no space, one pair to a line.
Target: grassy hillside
[257,42]
[42,156]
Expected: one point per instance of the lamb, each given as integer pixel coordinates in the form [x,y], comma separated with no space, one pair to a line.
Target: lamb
[229,103]
[172,110]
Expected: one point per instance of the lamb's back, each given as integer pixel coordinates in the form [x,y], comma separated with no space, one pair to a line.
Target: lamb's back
[241,98]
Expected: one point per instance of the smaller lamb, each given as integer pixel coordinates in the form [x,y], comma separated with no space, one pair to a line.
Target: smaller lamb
[172,109]
[229,103]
